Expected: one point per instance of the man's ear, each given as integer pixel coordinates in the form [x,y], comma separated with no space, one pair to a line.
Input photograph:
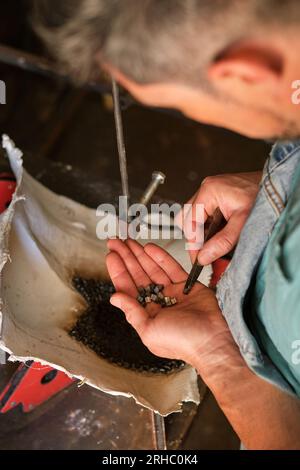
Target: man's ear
[249,63]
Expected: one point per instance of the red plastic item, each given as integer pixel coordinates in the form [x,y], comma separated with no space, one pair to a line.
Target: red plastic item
[31,385]
[7,189]
[219,267]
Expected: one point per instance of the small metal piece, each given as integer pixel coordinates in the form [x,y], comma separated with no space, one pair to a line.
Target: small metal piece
[141,290]
[158,178]
[153,293]
[158,288]
[147,290]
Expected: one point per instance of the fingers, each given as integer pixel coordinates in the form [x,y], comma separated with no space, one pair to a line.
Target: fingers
[224,241]
[179,218]
[154,271]
[131,262]
[204,203]
[170,266]
[192,228]
[205,198]
[119,274]
[135,314]
[131,265]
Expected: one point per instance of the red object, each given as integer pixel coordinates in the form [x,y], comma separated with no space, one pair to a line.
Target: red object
[219,267]
[32,383]
[7,189]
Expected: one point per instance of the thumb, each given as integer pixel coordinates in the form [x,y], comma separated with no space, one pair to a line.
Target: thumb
[224,241]
[135,314]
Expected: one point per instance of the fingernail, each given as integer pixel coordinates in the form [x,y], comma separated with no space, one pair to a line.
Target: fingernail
[116,301]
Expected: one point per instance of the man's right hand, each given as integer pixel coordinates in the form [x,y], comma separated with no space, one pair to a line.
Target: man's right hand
[234,195]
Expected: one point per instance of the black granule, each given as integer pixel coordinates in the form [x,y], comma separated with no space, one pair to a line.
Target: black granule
[104,329]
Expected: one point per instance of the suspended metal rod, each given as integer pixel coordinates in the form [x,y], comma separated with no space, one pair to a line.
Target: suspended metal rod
[120,139]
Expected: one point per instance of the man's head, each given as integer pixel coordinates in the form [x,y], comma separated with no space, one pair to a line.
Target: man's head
[225,62]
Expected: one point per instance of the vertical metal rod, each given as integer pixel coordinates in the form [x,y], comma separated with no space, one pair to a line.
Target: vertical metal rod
[2,357]
[120,139]
[159,433]
[158,423]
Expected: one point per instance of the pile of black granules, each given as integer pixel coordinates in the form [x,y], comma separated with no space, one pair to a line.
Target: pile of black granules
[104,329]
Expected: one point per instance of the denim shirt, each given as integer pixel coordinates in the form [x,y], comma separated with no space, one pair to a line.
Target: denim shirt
[232,290]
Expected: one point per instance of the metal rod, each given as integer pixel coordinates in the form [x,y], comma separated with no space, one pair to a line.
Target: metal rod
[36,64]
[159,433]
[120,139]
[158,178]
[2,357]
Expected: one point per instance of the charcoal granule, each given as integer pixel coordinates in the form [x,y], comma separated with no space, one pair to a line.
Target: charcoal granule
[104,329]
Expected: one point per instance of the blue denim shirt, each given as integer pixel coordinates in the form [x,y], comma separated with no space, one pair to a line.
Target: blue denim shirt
[234,286]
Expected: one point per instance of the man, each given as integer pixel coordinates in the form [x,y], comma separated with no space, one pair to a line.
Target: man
[232,63]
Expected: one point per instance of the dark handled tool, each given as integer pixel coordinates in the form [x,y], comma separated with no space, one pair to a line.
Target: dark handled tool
[214,227]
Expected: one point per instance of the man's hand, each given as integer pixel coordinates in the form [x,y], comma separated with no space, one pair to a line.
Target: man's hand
[234,195]
[187,330]
[194,330]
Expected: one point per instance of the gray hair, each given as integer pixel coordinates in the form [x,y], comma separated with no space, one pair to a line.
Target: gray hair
[151,40]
